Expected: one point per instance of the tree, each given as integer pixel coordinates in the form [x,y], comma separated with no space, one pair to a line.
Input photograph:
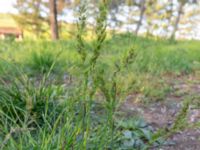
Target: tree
[142,11]
[168,16]
[30,17]
[53,19]
[180,12]
[35,17]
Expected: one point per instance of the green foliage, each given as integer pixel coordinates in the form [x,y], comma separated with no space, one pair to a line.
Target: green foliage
[81,26]
[47,114]
[30,17]
[23,101]
[156,57]
[43,62]
[180,123]
[10,38]
[135,133]
[181,120]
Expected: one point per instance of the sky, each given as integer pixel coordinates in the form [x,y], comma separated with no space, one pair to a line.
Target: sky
[6,6]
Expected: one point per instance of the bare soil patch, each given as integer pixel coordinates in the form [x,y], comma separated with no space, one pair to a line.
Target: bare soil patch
[162,114]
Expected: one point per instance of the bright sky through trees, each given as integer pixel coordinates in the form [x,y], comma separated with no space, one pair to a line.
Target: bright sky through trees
[6,6]
[189,26]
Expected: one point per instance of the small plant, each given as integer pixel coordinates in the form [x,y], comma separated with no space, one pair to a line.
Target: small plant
[42,62]
[94,79]
[134,134]
[23,101]
[10,38]
[180,123]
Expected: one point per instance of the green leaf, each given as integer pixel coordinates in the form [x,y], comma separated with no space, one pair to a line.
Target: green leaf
[127,134]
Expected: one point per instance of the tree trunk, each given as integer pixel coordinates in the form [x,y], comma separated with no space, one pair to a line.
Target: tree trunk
[171,15]
[180,11]
[142,11]
[53,20]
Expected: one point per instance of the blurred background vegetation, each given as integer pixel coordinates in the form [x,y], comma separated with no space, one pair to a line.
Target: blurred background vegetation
[54,19]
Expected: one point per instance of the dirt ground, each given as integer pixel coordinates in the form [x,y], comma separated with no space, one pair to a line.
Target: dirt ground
[161,114]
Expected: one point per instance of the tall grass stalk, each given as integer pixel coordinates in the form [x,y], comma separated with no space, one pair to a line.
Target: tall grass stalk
[90,70]
[95,76]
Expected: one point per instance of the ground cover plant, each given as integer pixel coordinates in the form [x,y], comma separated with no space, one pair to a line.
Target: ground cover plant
[71,94]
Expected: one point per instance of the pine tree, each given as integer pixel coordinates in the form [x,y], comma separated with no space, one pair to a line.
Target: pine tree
[53,19]
[182,3]
[142,11]
[35,16]
[29,16]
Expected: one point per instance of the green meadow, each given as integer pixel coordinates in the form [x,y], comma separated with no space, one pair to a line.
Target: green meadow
[54,97]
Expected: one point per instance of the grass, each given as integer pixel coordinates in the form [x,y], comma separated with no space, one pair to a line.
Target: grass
[152,59]
[53,96]
[41,112]
[155,57]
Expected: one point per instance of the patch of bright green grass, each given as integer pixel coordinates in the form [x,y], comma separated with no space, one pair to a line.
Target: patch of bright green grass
[42,114]
[155,57]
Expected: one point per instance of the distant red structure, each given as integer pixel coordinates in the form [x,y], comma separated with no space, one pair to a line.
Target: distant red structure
[11,31]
